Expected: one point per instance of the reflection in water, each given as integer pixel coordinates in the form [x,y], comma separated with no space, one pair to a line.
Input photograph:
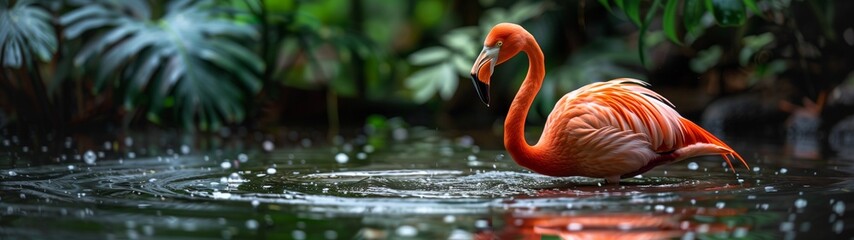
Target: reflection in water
[667,223]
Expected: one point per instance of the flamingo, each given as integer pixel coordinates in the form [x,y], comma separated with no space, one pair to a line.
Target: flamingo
[612,130]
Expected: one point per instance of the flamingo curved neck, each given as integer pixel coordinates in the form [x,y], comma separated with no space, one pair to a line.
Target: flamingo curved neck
[514,124]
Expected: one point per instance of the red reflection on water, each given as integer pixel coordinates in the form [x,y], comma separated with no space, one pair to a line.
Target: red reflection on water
[668,224]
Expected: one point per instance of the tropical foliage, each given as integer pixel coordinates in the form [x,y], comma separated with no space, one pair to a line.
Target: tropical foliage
[188,60]
[204,64]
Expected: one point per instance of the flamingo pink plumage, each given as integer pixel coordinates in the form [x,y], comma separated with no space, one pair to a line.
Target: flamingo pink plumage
[612,130]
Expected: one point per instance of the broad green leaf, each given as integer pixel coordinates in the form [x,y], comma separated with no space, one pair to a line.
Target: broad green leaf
[462,65]
[633,11]
[522,11]
[643,29]
[25,32]
[706,59]
[606,4]
[751,4]
[429,55]
[75,30]
[447,81]
[669,21]
[88,12]
[753,44]
[621,4]
[728,13]
[692,12]
[421,85]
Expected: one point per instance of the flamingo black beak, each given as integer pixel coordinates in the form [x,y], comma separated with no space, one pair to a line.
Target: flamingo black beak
[481,72]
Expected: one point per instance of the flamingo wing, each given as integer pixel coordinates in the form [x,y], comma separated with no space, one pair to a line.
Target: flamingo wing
[627,126]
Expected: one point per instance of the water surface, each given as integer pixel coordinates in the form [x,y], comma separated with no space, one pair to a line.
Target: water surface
[413,184]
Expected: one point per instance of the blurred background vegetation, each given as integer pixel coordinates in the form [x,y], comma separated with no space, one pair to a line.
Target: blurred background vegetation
[766,67]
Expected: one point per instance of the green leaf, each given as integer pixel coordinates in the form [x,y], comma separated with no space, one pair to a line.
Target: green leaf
[692,12]
[753,44]
[447,81]
[606,5]
[522,11]
[706,59]
[429,55]
[669,21]
[84,25]
[425,83]
[751,4]
[728,13]
[26,30]
[620,4]
[643,29]
[633,11]
[462,65]
[191,61]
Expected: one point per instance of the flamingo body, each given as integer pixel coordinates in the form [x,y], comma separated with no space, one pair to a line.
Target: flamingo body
[612,130]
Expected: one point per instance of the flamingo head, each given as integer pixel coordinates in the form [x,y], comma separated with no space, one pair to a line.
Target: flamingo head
[504,41]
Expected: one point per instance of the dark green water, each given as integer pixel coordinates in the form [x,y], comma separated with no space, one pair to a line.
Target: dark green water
[412,184]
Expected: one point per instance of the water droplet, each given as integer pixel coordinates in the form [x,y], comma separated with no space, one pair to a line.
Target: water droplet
[70,167]
[242,157]
[342,158]
[221,195]
[574,226]
[756,169]
[13,173]
[406,231]
[786,226]
[131,155]
[268,145]
[89,157]
[271,171]
[740,232]
[225,165]
[152,180]
[368,148]
[472,157]
[481,224]
[720,205]
[400,134]
[298,234]
[800,203]
[185,149]
[693,166]
[361,156]
[465,141]
[838,227]
[449,219]
[252,224]
[107,145]
[128,141]
[839,207]
[235,178]
[330,234]
[255,203]
[783,170]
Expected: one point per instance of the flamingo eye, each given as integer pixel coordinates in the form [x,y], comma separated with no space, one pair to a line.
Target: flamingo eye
[499,43]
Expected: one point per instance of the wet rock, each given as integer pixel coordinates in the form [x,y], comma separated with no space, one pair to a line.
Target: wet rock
[745,114]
